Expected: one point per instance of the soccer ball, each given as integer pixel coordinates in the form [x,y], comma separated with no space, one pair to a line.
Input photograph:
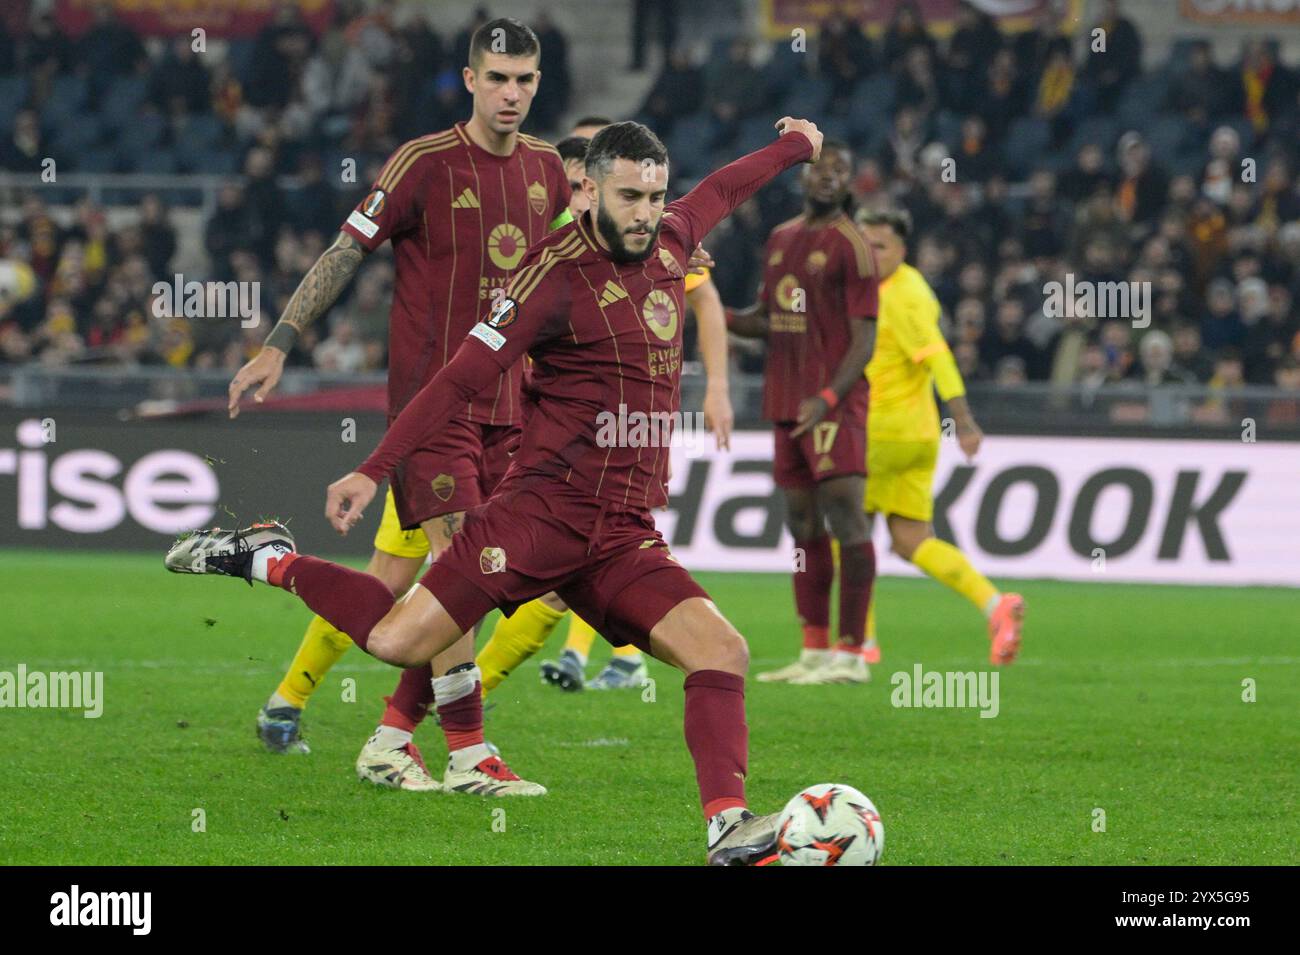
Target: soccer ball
[830,824]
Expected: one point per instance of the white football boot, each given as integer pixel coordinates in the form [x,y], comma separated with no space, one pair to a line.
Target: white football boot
[809,662]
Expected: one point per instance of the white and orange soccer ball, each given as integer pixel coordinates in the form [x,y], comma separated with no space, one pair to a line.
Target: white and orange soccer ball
[830,824]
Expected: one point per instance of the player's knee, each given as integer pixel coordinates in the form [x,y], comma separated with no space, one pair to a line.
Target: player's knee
[736,651]
[848,523]
[390,642]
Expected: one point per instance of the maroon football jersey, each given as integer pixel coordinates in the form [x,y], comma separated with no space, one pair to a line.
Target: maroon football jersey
[605,339]
[815,280]
[460,220]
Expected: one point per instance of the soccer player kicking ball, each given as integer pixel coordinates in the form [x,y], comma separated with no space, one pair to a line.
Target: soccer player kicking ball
[817,310]
[460,208]
[517,637]
[912,359]
[598,306]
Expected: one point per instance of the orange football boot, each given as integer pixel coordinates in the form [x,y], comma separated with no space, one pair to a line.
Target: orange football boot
[1004,629]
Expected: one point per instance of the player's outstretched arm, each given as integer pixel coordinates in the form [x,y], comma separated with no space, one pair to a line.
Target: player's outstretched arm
[696,213]
[318,290]
[849,372]
[718,414]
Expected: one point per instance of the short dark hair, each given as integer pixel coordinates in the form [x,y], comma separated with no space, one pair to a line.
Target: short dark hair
[573,147]
[627,140]
[900,220]
[836,145]
[593,121]
[504,35]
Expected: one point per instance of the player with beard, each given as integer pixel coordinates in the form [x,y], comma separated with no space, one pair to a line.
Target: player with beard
[817,310]
[598,306]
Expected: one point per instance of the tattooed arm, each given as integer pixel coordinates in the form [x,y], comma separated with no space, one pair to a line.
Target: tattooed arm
[318,290]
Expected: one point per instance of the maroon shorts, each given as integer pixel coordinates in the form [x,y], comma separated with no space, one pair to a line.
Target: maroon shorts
[538,534]
[832,448]
[457,470]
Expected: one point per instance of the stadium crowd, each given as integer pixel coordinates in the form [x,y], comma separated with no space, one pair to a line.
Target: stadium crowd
[1023,159]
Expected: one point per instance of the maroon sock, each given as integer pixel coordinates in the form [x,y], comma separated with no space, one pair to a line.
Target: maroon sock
[717,737]
[857,577]
[410,702]
[812,590]
[349,599]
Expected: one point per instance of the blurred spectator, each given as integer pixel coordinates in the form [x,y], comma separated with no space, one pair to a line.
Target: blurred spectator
[1200,90]
[906,31]
[24,149]
[1110,71]
[664,14]
[844,54]
[342,351]
[110,48]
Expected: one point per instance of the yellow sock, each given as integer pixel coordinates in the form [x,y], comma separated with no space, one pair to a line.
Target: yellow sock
[514,640]
[950,567]
[322,645]
[630,650]
[581,636]
[871,620]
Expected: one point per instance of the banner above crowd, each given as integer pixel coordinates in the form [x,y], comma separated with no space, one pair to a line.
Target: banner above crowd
[779,17]
[219,18]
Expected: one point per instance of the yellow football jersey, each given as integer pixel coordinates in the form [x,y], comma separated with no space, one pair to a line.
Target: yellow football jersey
[902,388]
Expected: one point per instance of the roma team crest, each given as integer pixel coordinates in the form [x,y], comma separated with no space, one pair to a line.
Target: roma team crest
[373,205]
[785,293]
[492,560]
[443,486]
[506,245]
[816,261]
[537,198]
[660,314]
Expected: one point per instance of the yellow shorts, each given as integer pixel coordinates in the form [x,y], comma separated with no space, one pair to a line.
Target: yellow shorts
[900,478]
[391,539]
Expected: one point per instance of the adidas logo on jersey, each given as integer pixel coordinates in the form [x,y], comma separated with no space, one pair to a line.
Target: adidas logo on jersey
[466,200]
[611,293]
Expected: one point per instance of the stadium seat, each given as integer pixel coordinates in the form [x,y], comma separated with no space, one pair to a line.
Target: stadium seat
[807,96]
[947,128]
[783,68]
[13,96]
[1143,99]
[67,98]
[122,100]
[100,159]
[1027,143]
[142,135]
[1168,136]
[213,162]
[156,161]
[80,131]
[1102,130]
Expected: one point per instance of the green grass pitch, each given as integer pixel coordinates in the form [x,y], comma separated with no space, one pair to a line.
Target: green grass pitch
[1127,699]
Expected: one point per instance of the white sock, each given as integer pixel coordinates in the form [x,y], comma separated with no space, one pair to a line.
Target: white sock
[453,686]
[262,556]
[992,605]
[459,760]
[723,821]
[390,737]
[809,655]
[277,702]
